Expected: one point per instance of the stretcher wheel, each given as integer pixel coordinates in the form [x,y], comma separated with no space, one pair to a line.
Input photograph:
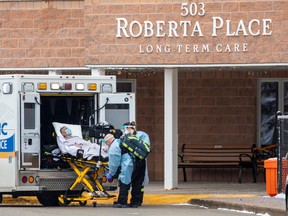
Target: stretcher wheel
[82,203]
[63,201]
[94,204]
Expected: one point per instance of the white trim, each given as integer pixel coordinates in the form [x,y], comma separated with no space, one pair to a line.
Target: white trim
[45,69]
[187,65]
[88,67]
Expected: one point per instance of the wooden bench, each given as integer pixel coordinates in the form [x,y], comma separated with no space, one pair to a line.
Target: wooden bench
[217,156]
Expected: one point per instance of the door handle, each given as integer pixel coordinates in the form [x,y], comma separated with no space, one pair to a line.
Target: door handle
[10,158]
[31,133]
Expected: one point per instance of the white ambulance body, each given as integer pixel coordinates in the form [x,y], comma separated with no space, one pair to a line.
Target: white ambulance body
[29,104]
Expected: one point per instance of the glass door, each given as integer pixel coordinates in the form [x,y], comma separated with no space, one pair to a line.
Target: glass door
[272,97]
[269,105]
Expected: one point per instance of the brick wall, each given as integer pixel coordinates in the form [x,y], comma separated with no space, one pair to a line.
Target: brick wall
[219,105]
[77,33]
[260,49]
[42,34]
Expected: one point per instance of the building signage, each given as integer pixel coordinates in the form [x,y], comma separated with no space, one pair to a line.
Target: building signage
[191,26]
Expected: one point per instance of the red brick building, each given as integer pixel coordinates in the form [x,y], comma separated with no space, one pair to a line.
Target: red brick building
[229,55]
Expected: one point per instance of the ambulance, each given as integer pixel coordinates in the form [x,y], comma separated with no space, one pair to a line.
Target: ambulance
[29,104]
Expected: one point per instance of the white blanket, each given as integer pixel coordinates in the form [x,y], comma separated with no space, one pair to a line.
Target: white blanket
[73,144]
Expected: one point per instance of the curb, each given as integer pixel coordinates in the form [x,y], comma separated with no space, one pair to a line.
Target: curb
[213,204]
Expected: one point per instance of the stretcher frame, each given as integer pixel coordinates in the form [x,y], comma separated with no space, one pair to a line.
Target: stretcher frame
[89,175]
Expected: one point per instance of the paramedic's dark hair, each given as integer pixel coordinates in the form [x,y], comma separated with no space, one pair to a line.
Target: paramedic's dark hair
[131,124]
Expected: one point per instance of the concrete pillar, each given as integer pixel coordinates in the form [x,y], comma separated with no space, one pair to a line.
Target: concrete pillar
[170,128]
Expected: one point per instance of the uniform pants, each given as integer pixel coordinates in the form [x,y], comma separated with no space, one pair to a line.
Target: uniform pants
[136,183]
[137,180]
[123,193]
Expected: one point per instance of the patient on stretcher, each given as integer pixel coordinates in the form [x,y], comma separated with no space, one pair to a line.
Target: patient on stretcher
[71,144]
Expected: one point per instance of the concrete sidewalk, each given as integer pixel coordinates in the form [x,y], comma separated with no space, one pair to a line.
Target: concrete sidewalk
[250,197]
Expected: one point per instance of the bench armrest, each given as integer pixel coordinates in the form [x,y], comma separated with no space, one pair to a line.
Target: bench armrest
[241,156]
[181,155]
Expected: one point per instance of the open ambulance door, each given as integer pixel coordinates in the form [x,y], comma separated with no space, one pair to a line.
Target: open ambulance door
[30,130]
[116,108]
[8,161]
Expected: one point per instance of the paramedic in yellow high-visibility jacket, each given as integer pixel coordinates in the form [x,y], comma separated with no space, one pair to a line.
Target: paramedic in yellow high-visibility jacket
[141,169]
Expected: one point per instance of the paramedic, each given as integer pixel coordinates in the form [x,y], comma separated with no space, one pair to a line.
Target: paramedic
[72,145]
[140,176]
[118,158]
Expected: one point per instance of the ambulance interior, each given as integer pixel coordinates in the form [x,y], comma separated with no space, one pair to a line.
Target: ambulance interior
[69,109]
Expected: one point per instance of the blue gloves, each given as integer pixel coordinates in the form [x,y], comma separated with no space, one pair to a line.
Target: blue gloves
[109,177]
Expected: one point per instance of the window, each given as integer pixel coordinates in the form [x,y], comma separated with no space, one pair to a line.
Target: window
[29,116]
[126,85]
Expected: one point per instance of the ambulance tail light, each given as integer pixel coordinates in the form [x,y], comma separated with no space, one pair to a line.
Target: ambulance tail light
[55,86]
[92,86]
[80,86]
[24,179]
[66,86]
[42,86]
[31,179]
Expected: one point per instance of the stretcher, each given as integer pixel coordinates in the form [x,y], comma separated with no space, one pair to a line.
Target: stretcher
[91,175]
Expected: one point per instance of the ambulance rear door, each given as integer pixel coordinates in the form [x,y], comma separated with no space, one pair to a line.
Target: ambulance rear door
[30,130]
[116,108]
[8,161]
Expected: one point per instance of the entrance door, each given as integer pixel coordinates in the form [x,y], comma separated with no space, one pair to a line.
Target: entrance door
[118,108]
[273,97]
[30,130]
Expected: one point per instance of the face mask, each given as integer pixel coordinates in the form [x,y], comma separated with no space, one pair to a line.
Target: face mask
[68,131]
[126,132]
[103,141]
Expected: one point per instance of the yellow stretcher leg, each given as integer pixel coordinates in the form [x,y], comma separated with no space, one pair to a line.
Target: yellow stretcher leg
[88,175]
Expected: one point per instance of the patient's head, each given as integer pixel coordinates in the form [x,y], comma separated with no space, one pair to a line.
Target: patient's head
[66,132]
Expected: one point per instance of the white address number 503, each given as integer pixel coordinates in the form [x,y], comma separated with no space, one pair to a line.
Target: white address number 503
[193,9]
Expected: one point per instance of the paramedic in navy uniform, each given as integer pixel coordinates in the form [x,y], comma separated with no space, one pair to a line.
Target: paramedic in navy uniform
[140,175]
[117,159]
